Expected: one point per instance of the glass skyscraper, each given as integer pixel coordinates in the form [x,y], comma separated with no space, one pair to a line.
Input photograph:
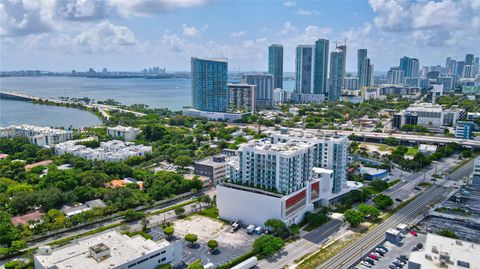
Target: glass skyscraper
[209,84]
[320,69]
[275,64]
[410,67]
[304,69]
[337,72]
[364,69]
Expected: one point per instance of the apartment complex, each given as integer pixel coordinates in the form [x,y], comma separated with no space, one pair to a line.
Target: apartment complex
[263,87]
[110,151]
[40,136]
[283,176]
[110,250]
[125,133]
[209,84]
[241,97]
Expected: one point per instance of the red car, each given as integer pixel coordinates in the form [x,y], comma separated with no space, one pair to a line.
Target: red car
[413,233]
[373,256]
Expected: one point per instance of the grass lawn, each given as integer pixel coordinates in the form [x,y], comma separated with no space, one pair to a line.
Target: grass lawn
[412,151]
[393,182]
[371,190]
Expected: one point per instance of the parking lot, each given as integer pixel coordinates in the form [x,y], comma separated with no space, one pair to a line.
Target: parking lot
[394,251]
[230,245]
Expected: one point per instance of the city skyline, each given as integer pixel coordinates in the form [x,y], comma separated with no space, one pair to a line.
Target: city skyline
[119,35]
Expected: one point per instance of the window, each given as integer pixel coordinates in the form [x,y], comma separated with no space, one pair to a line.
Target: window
[132,265]
[153,256]
[463,264]
[163,252]
[144,260]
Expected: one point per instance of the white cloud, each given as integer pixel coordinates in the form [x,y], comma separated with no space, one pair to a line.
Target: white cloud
[152,7]
[190,30]
[310,34]
[287,28]
[237,34]
[104,37]
[81,9]
[433,23]
[304,12]
[20,18]
[289,3]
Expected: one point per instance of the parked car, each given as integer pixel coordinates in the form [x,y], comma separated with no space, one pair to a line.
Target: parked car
[413,233]
[398,200]
[258,230]
[383,247]
[419,245]
[379,253]
[380,250]
[403,257]
[398,263]
[373,256]
[417,188]
[414,248]
[235,226]
[366,264]
[250,229]
[369,260]
[393,266]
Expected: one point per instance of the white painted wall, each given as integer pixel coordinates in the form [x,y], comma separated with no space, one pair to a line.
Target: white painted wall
[248,207]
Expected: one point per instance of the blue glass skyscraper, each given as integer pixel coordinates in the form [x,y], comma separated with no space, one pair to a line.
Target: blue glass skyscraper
[320,68]
[275,64]
[338,60]
[209,84]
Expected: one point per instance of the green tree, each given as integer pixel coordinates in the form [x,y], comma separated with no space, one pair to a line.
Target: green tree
[191,238]
[183,161]
[131,214]
[8,232]
[267,245]
[212,244]
[382,201]
[277,226]
[368,211]
[18,245]
[353,217]
[168,231]
[448,233]
[179,211]
[379,185]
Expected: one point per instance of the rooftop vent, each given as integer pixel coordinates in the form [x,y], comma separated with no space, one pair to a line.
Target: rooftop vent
[99,251]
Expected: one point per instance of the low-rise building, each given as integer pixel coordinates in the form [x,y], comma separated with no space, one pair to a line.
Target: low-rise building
[40,136]
[110,151]
[79,208]
[307,98]
[31,217]
[464,129]
[110,250]
[370,173]
[211,115]
[426,149]
[214,168]
[125,133]
[444,252]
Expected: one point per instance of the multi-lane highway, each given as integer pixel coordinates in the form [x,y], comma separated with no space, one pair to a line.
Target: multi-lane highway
[354,252]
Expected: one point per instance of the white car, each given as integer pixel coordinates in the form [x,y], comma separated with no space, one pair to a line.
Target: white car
[366,264]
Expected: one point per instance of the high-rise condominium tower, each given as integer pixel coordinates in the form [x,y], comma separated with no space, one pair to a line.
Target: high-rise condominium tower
[209,84]
[275,64]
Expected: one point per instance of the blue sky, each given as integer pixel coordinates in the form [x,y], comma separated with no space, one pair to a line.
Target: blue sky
[61,35]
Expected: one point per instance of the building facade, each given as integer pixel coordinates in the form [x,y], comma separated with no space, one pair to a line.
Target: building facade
[410,67]
[263,87]
[304,69]
[320,67]
[396,76]
[275,64]
[338,60]
[214,168]
[364,69]
[125,133]
[241,97]
[209,84]
[40,136]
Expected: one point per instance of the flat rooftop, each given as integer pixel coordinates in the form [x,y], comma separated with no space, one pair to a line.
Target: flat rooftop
[123,249]
[290,146]
[456,250]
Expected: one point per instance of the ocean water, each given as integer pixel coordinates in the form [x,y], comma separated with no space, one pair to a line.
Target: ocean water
[158,93]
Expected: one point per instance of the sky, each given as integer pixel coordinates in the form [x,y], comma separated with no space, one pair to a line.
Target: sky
[129,35]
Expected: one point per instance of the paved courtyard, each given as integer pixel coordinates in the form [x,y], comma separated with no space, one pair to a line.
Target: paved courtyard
[230,245]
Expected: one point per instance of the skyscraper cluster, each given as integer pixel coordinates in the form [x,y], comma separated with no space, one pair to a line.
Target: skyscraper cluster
[364,69]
